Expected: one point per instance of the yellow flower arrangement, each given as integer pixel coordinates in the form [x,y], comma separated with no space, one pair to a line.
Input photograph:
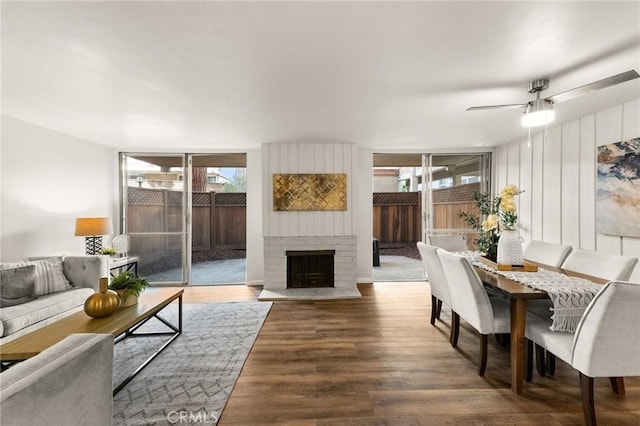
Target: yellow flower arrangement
[491,223]
[507,209]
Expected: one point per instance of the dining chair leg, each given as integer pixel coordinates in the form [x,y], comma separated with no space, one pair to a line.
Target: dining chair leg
[617,384]
[483,354]
[455,329]
[439,309]
[588,408]
[528,375]
[434,309]
[551,364]
[540,361]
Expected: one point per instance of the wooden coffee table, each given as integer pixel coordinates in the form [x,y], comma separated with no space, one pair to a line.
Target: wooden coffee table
[121,324]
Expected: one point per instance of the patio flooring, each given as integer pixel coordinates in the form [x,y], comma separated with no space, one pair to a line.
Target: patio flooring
[234,271]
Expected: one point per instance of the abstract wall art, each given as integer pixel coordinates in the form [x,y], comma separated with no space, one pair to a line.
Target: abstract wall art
[309,192]
[618,189]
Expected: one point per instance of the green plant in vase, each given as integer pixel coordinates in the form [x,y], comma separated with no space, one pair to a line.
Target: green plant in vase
[499,215]
[129,286]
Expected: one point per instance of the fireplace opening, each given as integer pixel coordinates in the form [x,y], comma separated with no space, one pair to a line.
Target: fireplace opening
[310,268]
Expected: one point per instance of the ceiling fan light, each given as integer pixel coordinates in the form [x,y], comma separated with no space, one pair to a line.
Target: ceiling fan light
[538,113]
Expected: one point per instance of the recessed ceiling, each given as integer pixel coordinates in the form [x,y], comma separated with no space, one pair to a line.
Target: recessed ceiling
[210,76]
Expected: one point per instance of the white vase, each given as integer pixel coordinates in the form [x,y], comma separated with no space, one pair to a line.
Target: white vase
[510,248]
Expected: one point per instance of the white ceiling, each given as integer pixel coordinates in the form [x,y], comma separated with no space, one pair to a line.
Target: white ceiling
[208,76]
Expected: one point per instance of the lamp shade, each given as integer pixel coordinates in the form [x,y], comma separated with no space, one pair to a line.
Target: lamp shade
[538,113]
[91,226]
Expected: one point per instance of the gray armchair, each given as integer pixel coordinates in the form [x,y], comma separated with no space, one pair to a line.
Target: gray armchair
[71,383]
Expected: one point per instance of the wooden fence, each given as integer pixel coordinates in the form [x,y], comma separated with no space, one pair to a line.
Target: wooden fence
[397,215]
[396,218]
[218,221]
[449,202]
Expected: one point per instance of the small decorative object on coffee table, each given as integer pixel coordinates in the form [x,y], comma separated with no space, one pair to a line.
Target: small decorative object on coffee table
[103,303]
[128,286]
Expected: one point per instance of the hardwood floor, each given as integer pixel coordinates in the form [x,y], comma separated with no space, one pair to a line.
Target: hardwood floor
[377,360]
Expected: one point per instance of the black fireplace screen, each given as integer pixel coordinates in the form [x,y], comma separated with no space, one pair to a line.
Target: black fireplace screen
[310,268]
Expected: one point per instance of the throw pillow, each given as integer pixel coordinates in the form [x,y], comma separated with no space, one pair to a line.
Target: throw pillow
[16,285]
[49,275]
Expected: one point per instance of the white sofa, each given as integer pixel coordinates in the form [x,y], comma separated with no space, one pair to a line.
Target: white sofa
[82,272]
[69,383]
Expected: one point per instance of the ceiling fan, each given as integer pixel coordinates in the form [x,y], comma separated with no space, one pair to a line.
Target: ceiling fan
[539,112]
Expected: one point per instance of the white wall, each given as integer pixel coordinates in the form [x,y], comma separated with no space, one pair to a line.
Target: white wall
[255,248]
[385,183]
[558,175]
[47,180]
[363,211]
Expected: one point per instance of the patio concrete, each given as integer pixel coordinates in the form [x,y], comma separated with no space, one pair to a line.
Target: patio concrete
[215,272]
[234,271]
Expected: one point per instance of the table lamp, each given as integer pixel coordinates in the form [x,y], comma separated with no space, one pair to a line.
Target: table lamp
[93,228]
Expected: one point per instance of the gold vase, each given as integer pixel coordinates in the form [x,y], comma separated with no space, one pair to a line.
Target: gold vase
[103,303]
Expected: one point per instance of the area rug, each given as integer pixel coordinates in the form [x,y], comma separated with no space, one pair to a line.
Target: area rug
[191,380]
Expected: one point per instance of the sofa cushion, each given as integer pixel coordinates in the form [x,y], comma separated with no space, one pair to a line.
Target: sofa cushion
[16,285]
[86,271]
[49,275]
[14,318]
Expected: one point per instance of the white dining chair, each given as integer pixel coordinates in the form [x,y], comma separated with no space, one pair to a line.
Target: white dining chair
[601,265]
[606,342]
[448,242]
[544,253]
[469,301]
[596,264]
[437,280]
[547,254]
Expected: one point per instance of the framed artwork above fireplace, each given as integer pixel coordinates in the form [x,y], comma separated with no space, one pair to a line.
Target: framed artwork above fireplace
[309,192]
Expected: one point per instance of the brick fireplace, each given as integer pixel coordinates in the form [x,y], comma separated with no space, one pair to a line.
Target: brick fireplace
[343,255]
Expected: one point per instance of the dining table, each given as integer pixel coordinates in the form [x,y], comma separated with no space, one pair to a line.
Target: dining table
[518,294]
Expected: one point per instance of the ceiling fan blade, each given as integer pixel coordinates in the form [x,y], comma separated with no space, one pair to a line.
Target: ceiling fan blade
[596,85]
[476,108]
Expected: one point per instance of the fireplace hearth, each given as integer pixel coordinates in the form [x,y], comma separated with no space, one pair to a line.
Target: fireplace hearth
[310,268]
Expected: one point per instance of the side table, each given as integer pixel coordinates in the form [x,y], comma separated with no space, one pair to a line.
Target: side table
[123,264]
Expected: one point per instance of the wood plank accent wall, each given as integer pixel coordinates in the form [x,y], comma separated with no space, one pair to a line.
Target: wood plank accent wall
[558,175]
[308,158]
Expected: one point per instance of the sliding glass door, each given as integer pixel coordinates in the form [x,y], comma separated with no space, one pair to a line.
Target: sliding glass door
[185,215]
[154,214]
[450,180]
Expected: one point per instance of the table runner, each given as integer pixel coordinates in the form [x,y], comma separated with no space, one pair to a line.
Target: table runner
[570,296]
